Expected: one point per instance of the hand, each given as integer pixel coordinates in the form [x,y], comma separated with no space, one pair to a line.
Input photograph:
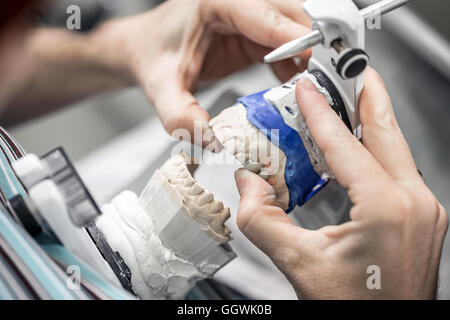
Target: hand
[396,222]
[173,48]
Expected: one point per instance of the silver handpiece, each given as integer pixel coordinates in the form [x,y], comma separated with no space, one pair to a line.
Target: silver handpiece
[292,48]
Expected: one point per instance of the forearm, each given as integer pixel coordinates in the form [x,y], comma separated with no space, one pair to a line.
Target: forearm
[61,67]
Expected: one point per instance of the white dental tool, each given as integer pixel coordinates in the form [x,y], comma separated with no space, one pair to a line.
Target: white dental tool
[338,57]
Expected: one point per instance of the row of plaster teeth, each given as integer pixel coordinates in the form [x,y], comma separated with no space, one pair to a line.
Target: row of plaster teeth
[238,143]
[251,147]
[201,204]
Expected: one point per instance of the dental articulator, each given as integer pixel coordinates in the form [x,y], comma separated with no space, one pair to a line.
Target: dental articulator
[159,244]
[336,69]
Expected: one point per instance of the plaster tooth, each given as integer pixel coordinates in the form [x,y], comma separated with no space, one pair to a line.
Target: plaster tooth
[232,146]
[178,161]
[184,174]
[266,172]
[216,206]
[188,182]
[240,157]
[204,199]
[252,166]
[225,215]
[214,122]
[216,222]
[227,232]
[196,190]
[221,126]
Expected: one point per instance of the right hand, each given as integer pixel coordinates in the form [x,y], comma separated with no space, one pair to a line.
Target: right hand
[396,222]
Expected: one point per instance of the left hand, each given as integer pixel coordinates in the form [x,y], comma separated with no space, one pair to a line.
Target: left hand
[171,49]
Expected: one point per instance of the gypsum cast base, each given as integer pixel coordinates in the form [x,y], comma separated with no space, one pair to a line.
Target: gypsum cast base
[170,237]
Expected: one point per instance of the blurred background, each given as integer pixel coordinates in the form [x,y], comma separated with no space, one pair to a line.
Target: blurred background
[411,52]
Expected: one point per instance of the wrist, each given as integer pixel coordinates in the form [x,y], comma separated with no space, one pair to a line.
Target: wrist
[110,52]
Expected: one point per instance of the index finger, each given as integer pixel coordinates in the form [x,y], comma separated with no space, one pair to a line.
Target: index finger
[257,20]
[347,158]
[382,135]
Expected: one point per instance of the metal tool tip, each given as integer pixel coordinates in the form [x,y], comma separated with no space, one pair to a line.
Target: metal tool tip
[276,55]
[269,58]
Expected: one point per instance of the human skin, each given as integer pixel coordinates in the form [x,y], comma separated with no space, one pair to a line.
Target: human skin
[396,222]
[167,51]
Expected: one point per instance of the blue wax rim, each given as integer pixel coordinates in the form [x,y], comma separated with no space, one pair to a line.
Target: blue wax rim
[301,179]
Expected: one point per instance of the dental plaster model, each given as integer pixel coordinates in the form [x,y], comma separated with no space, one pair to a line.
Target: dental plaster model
[171,236]
[252,149]
[267,133]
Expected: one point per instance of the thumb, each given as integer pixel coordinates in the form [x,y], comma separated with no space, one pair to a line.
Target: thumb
[181,115]
[263,222]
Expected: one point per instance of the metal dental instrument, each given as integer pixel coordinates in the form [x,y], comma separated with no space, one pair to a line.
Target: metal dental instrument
[338,56]
[292,48]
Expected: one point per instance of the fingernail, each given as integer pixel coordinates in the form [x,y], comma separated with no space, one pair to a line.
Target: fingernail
[241,181]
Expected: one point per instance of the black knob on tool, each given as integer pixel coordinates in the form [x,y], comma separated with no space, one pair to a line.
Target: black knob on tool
[351,62]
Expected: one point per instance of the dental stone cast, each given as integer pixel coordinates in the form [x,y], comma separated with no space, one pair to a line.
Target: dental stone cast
[267,133]
[252,149]
[170,237]
[200,205]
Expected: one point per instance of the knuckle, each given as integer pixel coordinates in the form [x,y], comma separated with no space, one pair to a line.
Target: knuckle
[377,118]
[268,197]
[386,121]
[242,220]
[404,207]
[443,219]
[426,211]
[277,20]
[443,225]
[331,145]
[287,256]
[245,214]
[429,208]
[274,15]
